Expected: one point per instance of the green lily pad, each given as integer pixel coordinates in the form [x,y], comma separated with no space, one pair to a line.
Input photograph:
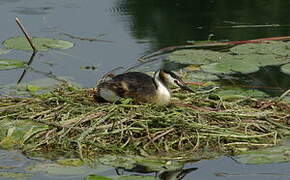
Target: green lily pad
[230,66]
[96,177]
[15,175]
[262,60]
[70,162]
[286,68]
[128,177]
[33,88]
[15,133]
[235,93]
[4,51]
[277,48]
[197,75]
[129,162]
[42,44]
[56,169]
[7,64]
[135,177]
[199,57]
[265,156]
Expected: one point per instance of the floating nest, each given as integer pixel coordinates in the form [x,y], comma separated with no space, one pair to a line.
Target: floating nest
[69,121]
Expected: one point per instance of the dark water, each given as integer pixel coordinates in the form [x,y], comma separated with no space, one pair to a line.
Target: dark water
[135,28]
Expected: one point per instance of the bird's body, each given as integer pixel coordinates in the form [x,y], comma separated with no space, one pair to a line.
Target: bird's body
[138,86]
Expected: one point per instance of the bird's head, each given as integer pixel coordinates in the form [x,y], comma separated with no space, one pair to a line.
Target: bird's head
[169,78]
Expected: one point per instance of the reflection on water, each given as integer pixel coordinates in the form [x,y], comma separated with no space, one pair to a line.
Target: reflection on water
[33,10]
[268,79]
[167,23]
[175,22]
[176,174]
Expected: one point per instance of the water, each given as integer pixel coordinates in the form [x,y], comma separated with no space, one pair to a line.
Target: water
[135,29]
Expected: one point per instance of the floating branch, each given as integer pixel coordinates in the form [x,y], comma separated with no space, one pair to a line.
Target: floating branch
[29,39]
[26,34]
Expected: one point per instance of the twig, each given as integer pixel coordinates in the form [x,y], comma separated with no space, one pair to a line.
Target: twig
[26,34]
[276,124]
[284,94]
[32,46]
[159,136]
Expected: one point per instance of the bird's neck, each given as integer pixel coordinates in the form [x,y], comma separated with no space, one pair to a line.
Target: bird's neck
[162,92]
[159,81]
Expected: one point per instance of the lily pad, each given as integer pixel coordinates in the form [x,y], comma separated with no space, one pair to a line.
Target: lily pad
[56,169]
[286,68]
[15,133]
[199,57]
[235,93]
[265,156]
[131,162]
[135,177]
[262,60]
[4,51]
[128,177]
[70,162]
[33,88]
[230,67]
[7,64]
[198,75]
[42,44]
[15,175]
[96,177]
[277,48]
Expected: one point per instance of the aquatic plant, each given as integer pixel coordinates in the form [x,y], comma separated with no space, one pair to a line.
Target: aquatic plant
[68,121]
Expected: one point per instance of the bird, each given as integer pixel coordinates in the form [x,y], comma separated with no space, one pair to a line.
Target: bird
[141,87]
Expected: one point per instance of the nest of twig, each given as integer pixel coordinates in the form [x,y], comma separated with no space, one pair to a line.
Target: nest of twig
[76,124]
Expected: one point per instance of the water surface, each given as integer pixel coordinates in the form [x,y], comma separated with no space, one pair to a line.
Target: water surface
[135,28]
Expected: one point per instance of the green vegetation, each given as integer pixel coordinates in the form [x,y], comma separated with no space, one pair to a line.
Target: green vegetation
[7,64]
[41,44]
[243,59]
[286,68]
[202,125]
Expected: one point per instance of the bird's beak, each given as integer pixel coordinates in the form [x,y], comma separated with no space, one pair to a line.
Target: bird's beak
[182,85]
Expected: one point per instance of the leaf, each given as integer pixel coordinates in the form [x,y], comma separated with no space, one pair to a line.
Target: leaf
[15,175]
[286,68]
[96,177]
[42,44]
[197,56]
[135,177]
[70,162]
[8,142]
[197,75]
[265,156]
[33,88]
[4,51]
[262,60]
[14,133]
[56,169]
[7,64]
[230,67]
[130,162]
[236,93]
[277,48]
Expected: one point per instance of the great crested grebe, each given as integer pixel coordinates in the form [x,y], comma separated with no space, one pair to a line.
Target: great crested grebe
[140,87]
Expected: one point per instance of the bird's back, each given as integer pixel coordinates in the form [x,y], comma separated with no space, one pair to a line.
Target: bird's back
[139,86]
